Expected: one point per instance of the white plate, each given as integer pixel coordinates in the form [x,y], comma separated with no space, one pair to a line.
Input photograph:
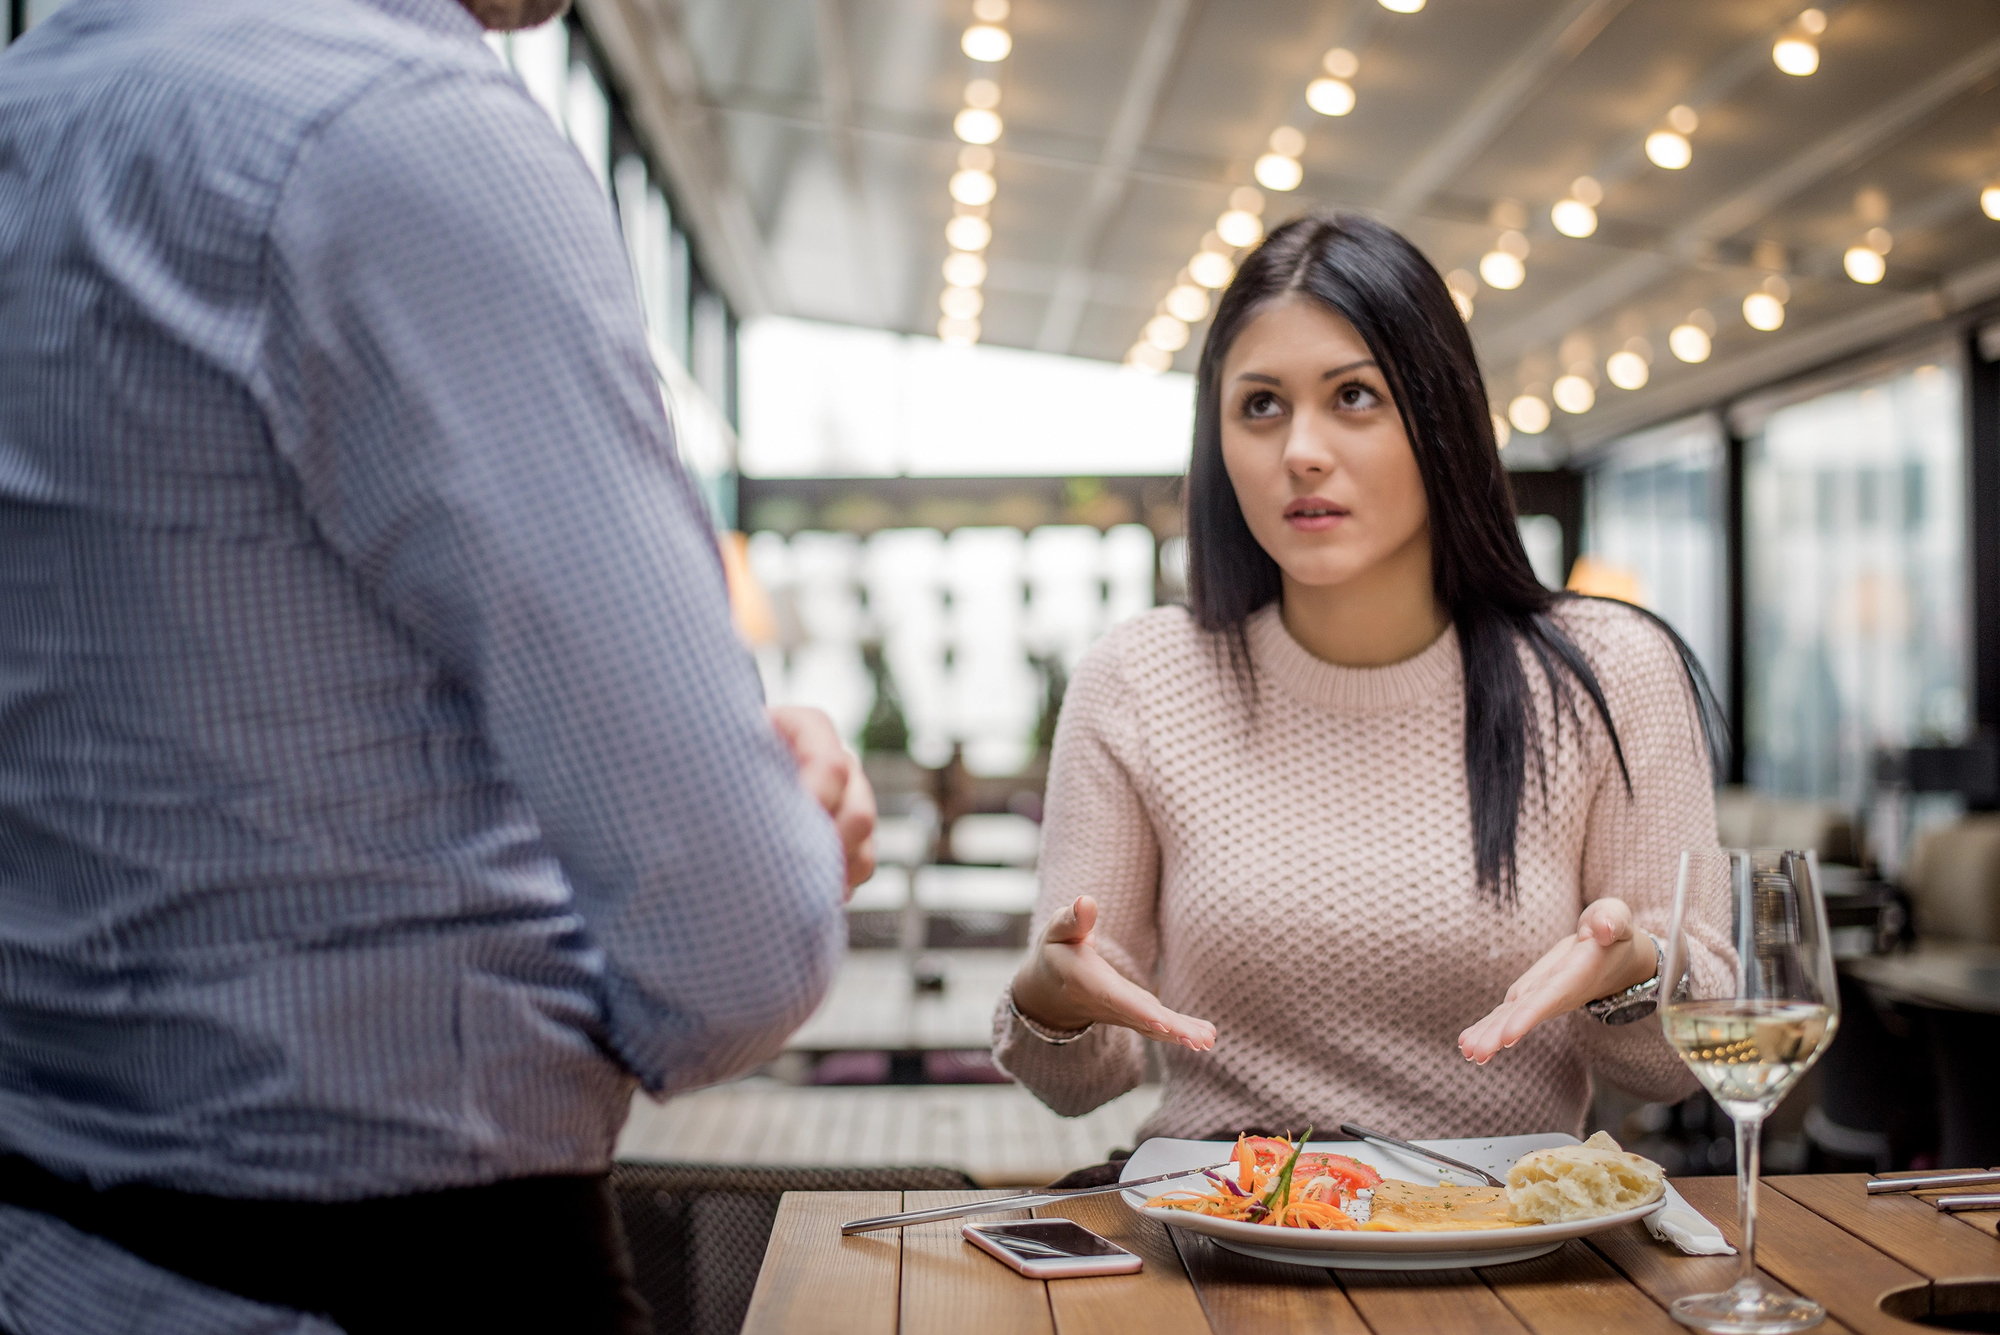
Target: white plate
[1360,1250]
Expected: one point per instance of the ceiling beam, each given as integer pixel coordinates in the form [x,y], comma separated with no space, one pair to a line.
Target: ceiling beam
[645,43]
[1109,182]
[1688,243]
[1553,46]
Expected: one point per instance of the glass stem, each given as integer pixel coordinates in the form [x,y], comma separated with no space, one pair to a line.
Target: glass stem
[1749,1138]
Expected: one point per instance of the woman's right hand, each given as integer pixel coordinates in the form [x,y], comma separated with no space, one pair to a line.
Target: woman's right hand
[1066,984]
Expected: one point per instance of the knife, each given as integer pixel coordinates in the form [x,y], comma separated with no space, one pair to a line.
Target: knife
[1391,1143]
[1001,1204]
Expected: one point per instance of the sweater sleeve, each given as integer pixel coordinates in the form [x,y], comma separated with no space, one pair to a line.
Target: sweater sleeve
[1633,843]
[1097,840]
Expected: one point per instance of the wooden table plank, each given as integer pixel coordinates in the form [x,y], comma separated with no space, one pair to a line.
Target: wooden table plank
[1159,1300]
[1242,1295]
[1908,1229]
[814,1279]
[1812,1255]
[1574,1291]
[1436,1302]
[1661,1272]
[951,1287]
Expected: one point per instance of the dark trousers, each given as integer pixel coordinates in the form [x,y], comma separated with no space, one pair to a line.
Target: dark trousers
[540,1254]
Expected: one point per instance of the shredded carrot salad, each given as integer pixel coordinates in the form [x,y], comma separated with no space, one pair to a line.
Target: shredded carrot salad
[1277,1183]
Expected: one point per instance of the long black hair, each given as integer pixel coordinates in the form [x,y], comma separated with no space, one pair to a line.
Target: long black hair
[1382,285]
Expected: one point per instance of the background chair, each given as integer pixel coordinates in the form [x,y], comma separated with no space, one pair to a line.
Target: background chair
[698,1232]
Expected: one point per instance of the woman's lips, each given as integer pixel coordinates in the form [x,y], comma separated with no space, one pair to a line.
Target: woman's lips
[1310,514]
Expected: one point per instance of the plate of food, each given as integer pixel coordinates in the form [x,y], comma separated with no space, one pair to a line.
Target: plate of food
[1349,1204]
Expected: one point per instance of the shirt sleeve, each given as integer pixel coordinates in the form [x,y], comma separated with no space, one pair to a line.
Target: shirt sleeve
[457,373]
[1097,840]
[1633,843]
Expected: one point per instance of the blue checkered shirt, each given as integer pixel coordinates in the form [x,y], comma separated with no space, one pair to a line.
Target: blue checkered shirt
[382,791]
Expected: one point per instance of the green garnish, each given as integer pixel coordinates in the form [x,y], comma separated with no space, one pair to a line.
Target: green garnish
[1280,1194]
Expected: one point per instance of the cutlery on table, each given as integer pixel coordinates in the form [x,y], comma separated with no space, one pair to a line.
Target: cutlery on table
[1932,1182]
[1023,1201]
[1391,1143]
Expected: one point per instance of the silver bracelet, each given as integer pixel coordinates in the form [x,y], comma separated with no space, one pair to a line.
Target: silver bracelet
[1053,1037]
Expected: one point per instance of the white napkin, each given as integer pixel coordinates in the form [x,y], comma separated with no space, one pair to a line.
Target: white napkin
[1687,1228]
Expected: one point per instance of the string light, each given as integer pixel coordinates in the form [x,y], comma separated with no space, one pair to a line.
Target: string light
[1669,149]
[1341,63]
[1864,264]
[1762,310]
[1330,97]
[1275,171]
[1989,201]
[1573,217]
[964,270]
[1240,228]
[1402,6]
[1211,270]
[968,231]
[972,186]
[1795,55]
[1689,342]
[1574,394]
[986,43]
[976,125]
[1627,370]
[1529,413]
[1187,303]
[1167,333]
[1503,266]
[961,303]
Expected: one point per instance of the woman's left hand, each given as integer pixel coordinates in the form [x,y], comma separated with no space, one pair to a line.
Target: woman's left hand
[1605,956]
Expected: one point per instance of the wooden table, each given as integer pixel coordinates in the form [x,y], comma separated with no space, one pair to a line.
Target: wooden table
[1821,1236]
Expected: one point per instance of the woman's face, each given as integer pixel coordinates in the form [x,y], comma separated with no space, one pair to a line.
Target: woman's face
[1316,449]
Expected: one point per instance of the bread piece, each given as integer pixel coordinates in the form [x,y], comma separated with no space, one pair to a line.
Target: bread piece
[1581,1182]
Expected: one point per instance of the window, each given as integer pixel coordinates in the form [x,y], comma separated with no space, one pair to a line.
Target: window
[1654,521]
[1856,616]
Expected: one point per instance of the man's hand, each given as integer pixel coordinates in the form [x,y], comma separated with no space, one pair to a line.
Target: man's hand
[1066,984]
[1604,956]
[833,776]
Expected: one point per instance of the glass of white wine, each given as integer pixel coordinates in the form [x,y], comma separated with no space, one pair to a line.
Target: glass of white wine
[1754,1005]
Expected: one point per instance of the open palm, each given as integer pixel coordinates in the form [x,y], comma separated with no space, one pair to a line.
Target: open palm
[1600,958]
[1067,984]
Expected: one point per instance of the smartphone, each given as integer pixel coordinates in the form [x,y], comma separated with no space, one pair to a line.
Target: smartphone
[1051,1249]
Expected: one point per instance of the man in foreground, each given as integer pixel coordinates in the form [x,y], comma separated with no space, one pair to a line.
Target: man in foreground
[381,791]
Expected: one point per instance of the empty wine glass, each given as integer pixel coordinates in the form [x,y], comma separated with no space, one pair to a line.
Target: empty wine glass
[1753,1005]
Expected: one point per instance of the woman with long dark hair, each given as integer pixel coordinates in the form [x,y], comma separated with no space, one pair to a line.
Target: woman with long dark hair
[1376,806]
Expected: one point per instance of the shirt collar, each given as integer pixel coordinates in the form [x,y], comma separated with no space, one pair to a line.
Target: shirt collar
[446,17]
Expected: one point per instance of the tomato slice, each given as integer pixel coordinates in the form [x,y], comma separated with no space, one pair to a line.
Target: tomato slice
[1352,1174]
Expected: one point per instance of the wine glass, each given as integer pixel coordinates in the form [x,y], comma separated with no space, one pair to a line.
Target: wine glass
[1751,1016]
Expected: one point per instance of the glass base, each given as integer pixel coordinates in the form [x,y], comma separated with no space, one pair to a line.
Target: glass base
[1747,1309]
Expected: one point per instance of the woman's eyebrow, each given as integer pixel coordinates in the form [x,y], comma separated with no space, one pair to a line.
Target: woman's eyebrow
[1351,366]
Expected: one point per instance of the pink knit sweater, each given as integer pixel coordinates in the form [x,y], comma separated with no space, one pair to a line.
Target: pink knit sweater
[1301,874]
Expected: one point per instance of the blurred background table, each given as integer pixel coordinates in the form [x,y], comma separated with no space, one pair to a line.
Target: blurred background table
[1874,1262]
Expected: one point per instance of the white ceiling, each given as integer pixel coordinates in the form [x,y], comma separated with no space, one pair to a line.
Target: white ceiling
[1128,122]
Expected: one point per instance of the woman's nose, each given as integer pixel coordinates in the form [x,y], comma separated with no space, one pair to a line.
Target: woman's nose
[1307,453]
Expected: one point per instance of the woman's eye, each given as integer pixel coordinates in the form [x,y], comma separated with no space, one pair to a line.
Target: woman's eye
[1262,404]
[1357,397]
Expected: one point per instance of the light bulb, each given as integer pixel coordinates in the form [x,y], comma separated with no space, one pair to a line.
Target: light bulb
[1211,270]
[1502,270]
[1464,304]
[1795,55]
[1187,302]
[984,42]
[958,333]
[1167,333]
[1248,198]
[1149,358]
[1330,97]
[1275,171]
[1627,370]
[1512,243]
[1587,189]
[1288,140]
[1502,433]
[1989,202]
[1402,6]
[973,187]
[976,126]
[963,270]
[1763,311]
[1340,63]
[968,233]
[1878,240]
[1863,265]
[982,93]
[1669,149]
[1573,394]
[1529,414]
[1688,342]
[1239,228]
[1683,118]
[961,303]
[1813,21]
[1573,217]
